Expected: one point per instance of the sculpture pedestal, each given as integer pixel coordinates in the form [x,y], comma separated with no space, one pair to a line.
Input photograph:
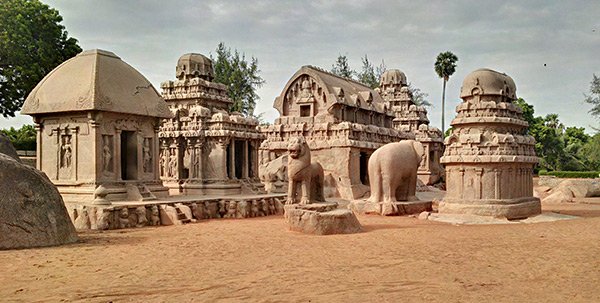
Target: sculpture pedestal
[321,219]
[401,208]
[509,208]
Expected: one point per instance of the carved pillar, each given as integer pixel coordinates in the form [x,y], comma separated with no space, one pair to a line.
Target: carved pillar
[232,159]
[246,163]
[479,182]
[462,182]
[496,184]
[200,159]
[117,156]
[38,136]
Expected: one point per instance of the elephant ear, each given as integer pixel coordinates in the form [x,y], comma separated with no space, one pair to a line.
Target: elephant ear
[418,148]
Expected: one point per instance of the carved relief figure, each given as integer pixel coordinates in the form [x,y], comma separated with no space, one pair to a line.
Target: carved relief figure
[302,171]
[231,210]
[147,155]
[124,218]
[154,216]
[107,153]
[242,209]
[142,220]
[172,165]
[66,152]
[254,209]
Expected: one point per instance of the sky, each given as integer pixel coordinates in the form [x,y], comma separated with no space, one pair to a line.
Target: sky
[550,48]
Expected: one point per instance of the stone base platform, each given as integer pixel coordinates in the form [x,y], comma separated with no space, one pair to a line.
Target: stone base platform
[321,219]
[401,208]
[174,210]
[511,209]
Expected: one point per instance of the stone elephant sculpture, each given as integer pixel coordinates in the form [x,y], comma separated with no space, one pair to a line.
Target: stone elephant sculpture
[393,172]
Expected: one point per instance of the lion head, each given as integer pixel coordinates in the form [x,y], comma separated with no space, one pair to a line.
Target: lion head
[297,147]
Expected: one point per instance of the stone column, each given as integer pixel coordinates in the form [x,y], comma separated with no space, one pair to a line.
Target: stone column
[232,159]
[246,161]
[117,155]
[38,136]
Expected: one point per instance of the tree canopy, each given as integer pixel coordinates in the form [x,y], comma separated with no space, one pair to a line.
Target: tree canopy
[23,138]
[241,77]
[32,43]
[594,97]
[560,147]
[342,67]
[367,75]
[445,66]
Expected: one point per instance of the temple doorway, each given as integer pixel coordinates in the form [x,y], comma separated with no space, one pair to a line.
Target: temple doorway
[239,159]
[364,164]
[129,163]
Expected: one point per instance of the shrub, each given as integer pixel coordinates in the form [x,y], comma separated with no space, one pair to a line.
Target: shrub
[570,174]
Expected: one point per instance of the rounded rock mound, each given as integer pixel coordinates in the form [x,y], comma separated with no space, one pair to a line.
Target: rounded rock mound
[32,212]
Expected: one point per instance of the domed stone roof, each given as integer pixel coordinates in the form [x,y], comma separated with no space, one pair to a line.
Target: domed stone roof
[194,65]
[393,77]
[95,80]
[488,82]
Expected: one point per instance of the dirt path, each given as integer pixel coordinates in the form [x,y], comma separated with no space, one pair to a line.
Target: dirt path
[398,259]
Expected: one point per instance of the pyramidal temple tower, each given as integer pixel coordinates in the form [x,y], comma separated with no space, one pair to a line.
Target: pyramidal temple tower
[489,157]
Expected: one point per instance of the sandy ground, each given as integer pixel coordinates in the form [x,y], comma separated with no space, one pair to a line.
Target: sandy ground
[397,259]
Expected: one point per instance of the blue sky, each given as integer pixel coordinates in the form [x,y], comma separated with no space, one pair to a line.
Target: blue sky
[550,48]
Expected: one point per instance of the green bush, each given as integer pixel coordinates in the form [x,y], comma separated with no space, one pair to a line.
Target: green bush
[571,174]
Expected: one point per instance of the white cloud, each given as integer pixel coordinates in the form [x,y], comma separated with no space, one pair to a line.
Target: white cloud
[514,37]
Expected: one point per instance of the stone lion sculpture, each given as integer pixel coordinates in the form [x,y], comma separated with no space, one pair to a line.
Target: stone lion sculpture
[304,173]
[393,172]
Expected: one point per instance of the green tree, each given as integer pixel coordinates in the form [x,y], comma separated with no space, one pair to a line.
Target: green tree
[419,97]
[590,153]
[445,66]
[32,43]
[594,97]
[241,77]
[342,67]
[367,75]
[23,138]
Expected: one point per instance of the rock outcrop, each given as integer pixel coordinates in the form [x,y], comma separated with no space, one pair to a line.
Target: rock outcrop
[32,212]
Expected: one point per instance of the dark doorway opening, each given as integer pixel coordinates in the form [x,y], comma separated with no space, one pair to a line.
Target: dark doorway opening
[364,164]
[239,158]
[250,161]
[304,110]
[228,160]
[129,165]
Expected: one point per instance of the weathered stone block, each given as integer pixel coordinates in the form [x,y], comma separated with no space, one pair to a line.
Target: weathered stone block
[363,207]
[321,219]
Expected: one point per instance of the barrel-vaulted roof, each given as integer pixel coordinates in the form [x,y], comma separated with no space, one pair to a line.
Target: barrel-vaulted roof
[339,89]
[95,80]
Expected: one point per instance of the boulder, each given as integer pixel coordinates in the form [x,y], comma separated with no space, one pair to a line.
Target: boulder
[321,219]
[558,196]
[7,148]
[32,212]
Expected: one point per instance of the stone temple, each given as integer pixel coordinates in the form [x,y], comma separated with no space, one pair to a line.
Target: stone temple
[97,122]
[343,122]
[205,148]
[394,89]
[489,157]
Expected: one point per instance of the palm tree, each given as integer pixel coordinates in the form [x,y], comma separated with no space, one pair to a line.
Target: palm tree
[445,66]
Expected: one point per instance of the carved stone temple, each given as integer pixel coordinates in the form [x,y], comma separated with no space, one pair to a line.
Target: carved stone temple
[394,89]
[489,157]
[343,122]
[205,148]
[97,122]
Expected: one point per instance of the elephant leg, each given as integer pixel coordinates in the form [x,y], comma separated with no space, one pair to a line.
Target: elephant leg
[291,199]
[412,188]
[386,186]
